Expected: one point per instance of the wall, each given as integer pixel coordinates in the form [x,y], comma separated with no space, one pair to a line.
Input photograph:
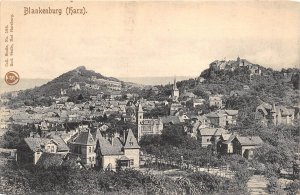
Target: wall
[106,160]
[133,154]
[88,158]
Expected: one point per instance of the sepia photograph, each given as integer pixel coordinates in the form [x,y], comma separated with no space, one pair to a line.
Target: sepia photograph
[150,97]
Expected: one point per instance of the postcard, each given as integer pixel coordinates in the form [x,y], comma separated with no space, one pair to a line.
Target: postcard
[149,97]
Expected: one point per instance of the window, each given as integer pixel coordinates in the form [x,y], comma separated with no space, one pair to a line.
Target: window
[93,159]
[131,143]
[207,140]
[131,162]
[52,148]
[90,158]
[90,149]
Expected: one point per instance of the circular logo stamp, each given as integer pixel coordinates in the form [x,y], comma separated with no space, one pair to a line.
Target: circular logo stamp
[12,78]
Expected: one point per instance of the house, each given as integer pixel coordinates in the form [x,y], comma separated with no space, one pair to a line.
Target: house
[245,145]
[8,155]
[84,145]
[268,114]
[96,151]
[236,144]
[63,92]
[118,154]
[174,108]
[33,148]
[147,126]
[215,100]
[171,120]
[198,102]
[201,79]
[246,87]
[187,95]
[224,144]
[221,118]
[95,86]
[115,94]
[75,86]
[209,136]
[254,69]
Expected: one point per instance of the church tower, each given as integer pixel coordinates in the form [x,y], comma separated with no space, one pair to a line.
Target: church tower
[139,120]
[139,114]
[175,91]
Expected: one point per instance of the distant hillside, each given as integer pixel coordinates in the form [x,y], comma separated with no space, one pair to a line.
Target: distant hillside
[233,76]
[66,81]
[79,81]
[223,77]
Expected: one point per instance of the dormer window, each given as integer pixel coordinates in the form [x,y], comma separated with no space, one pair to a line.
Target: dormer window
[131,143]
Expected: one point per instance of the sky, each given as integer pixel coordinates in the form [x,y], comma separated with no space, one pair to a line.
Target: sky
[143,39]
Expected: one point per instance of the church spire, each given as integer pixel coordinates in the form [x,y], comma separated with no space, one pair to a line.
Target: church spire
[174,85]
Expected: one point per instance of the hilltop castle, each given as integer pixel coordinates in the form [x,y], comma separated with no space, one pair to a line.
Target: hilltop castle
[234,64]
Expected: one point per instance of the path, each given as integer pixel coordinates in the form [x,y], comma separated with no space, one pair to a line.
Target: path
[257,185]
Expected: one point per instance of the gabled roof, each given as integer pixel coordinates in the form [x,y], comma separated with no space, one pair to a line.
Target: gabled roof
[72,160]
[232,112]
[229,139]
[55,159]
[50,159]
[215,98]
[105,147]
[97,134]
[116,142]
[188,94]
[285,111]
[196,100]
[226,136]
[85,138]
[250,141]
[171,119]
[131,141]
[212,131]
[61,144]
[37,143]
[214,115]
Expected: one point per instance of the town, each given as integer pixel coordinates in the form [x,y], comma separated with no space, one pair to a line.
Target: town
[237,123]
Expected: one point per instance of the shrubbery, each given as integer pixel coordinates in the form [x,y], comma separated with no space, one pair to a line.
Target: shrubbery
[63,180]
